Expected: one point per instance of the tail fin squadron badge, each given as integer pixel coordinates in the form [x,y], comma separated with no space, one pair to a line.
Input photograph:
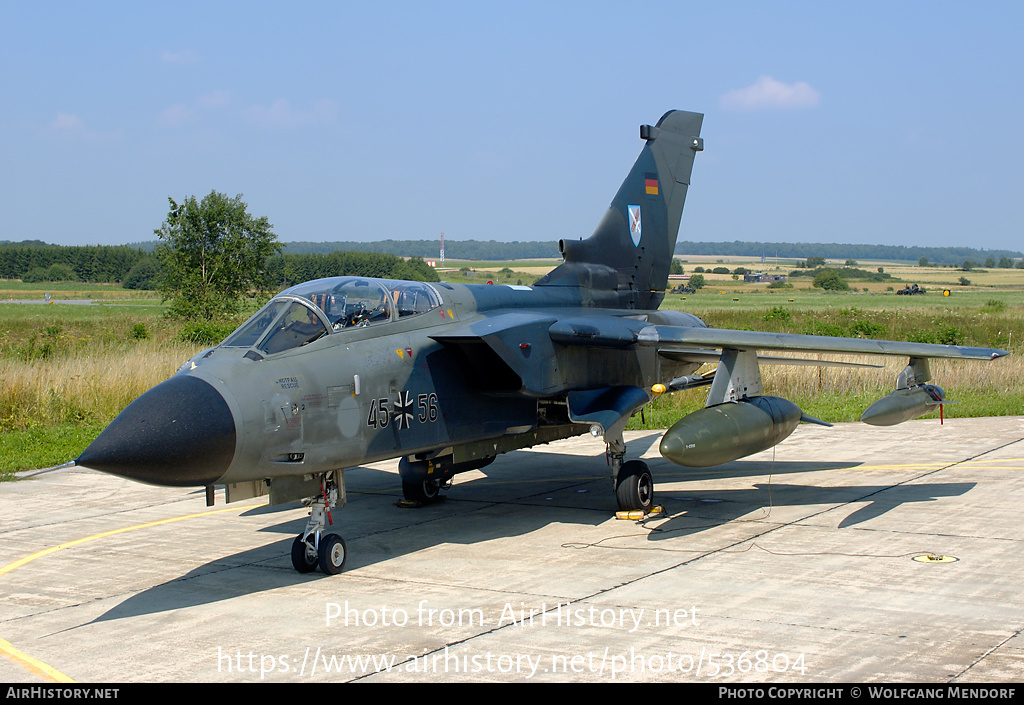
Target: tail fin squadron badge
[634,224]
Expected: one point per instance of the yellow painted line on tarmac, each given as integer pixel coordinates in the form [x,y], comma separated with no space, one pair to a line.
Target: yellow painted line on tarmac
[37,667]
[53,549]
[33,666]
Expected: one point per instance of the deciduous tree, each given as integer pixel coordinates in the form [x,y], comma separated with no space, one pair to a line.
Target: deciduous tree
[830,280]
[213,253]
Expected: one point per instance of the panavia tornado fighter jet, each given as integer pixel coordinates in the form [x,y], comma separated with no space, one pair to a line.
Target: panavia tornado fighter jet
[338,372]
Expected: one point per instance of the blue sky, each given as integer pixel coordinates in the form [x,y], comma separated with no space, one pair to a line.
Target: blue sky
[889,123]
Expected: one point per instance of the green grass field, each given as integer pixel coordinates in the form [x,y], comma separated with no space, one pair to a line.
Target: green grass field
[73,290]
[66,370]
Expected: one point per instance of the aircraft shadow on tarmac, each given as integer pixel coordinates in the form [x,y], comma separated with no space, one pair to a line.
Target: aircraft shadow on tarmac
[711,509]
[377,531]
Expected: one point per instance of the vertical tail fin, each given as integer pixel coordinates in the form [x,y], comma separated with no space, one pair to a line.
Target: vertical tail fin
[630,252]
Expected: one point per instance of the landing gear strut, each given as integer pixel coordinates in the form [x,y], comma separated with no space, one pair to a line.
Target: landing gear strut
[313,547]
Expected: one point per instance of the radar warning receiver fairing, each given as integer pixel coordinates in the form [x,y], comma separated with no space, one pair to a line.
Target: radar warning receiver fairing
[339,372]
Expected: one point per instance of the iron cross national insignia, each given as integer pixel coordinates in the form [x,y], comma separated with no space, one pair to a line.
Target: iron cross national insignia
[402,413]
[634,224]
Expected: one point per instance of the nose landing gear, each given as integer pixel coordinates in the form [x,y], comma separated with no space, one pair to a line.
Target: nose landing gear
[313,547]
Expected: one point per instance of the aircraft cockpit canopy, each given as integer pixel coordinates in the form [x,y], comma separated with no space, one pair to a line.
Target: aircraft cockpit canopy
[306,312]
[358,301]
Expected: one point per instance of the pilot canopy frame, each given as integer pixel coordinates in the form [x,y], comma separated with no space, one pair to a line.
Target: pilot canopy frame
[306,312]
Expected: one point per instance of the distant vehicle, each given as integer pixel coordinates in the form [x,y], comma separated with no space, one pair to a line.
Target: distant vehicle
[683,289]
[909,290]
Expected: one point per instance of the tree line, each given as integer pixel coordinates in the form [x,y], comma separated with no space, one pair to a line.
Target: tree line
[834,251]
[36,261]
[288,269]
[426,249]
[430,249]
[136,269]
[493,250]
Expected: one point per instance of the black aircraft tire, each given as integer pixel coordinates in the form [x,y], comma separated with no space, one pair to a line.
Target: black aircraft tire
[301,559]
[634,488]
[422,492]
[333,554]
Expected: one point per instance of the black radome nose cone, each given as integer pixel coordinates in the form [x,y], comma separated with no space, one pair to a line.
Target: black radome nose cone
[179,433]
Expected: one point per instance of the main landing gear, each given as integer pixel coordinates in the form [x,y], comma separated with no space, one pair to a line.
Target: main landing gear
[313,547]
[423,480]
[425,492]
[634,484]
